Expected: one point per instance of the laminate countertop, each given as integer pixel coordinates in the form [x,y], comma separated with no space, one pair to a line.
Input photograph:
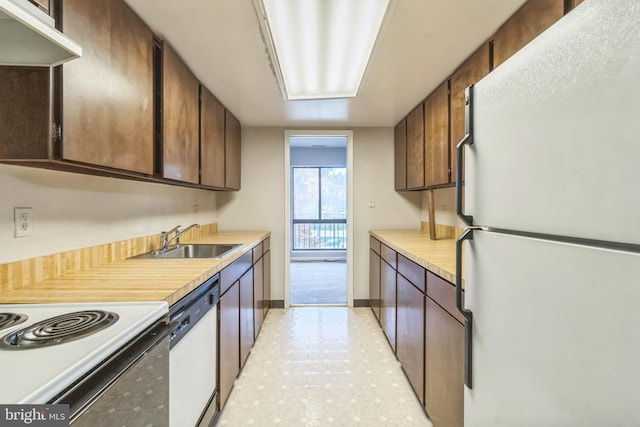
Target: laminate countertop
[136,279]
[437,256]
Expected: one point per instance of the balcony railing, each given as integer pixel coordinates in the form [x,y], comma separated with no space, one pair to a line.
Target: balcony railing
[319,234]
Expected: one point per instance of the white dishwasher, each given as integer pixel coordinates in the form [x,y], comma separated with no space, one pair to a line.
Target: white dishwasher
[192,359]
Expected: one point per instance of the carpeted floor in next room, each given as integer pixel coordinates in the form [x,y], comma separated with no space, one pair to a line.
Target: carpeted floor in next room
[318,282]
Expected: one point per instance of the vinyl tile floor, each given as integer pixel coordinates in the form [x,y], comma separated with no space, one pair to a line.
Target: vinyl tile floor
[322,366]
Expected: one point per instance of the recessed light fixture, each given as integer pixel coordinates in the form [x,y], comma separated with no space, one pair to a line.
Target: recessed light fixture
[320,48]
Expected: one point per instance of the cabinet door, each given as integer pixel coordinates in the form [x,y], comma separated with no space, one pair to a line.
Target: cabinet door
[400,155]
[470,72]
[107,94]
[211,140]
[246,315]
[444,367]
[229,344]
[436,141]
[573,3]
[232,152]
[374,283]
[525,25]
[267,282]
[415,148]
[180,111]
[258,296]
[388,302]
[410,336]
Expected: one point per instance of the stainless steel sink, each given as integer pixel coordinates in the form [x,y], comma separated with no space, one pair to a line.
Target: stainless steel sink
[194,251]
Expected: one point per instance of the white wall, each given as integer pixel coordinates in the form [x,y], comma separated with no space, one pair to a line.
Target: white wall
[445,207]
[260,203]
[73,211]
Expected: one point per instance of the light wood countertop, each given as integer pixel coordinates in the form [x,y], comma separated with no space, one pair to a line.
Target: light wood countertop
[136,279]
[437,256]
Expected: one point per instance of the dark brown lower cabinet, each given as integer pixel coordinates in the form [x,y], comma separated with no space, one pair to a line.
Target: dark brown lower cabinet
[258,296]
[410,334]
[246,315]
[444,367]
[374,283]
[388,302]
[229,333]
[267,281]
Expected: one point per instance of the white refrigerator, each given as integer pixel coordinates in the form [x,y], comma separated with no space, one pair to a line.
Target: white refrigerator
[552,254]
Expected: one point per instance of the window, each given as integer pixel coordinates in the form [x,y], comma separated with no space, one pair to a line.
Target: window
[319,208]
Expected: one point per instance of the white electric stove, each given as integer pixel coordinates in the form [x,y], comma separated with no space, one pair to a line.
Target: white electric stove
[35,373]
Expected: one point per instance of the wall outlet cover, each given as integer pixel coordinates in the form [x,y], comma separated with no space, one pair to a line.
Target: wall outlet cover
[23,222]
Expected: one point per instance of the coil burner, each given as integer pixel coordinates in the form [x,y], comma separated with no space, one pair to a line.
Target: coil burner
[8,320]
[59,329]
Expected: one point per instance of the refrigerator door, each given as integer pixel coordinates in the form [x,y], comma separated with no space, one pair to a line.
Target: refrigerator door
[557,131]
[555,333]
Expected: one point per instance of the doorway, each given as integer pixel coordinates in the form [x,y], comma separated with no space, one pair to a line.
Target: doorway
[318,219]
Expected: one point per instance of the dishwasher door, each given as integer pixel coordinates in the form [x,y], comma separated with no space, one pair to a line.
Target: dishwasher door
[192,360]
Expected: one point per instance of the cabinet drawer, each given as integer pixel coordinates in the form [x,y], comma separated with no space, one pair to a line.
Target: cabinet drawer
[231,273]
[388,255]
[412,271]
[257,252]
[266,244]
[374,244]
[444,293]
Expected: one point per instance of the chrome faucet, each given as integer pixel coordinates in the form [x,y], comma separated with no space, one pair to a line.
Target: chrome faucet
[165,240]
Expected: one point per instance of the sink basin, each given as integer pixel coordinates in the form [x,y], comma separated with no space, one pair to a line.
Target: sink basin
[194,251]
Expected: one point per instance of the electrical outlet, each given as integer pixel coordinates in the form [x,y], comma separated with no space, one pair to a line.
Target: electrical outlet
[372,202]
[196,208]
[23,222]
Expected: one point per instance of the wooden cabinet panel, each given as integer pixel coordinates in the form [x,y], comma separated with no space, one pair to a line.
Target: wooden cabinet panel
[410,334]
[388,302]
[24,113]
[247,335]
[211,140]
[267,282]
[232,152]
[436,141]
[571,4]
[42,4]
[257,252]
[107,94]
[229,340]
[525,25]
[389,255]
[444,367]
[415,148]
[470,72]
[180,111]
[444,293]
[374,244]
[413,272]
[258,296]
[231,273]
[400,155]
[374,283]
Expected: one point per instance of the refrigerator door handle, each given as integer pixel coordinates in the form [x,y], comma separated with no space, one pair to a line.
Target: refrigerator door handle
[468,315]
[467,140]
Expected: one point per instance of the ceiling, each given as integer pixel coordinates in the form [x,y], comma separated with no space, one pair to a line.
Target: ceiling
[423,43]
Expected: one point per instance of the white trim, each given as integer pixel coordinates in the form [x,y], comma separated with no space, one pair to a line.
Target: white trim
[287,206]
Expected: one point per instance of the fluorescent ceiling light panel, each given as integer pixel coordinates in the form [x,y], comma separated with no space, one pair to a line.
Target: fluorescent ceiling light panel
[322,47]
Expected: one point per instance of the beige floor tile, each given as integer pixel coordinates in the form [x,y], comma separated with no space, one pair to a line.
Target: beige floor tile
[322,366]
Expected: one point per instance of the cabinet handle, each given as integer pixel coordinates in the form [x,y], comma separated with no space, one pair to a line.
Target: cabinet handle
[468,315]
[467,140]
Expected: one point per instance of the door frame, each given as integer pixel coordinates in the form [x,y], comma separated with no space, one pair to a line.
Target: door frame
[287,206]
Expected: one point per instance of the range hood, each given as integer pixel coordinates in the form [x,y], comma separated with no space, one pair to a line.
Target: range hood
[28,37]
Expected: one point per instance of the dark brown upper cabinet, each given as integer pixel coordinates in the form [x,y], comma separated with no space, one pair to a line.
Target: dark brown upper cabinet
[400,155]
[95,112]
[436,141]
[415,148]
[571,4]
[470,72]
[232,152]
[212,155]
[180,128]
[107,94]
[526,24]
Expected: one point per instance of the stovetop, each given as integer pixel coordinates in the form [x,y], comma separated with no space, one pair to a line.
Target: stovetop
[36,374]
